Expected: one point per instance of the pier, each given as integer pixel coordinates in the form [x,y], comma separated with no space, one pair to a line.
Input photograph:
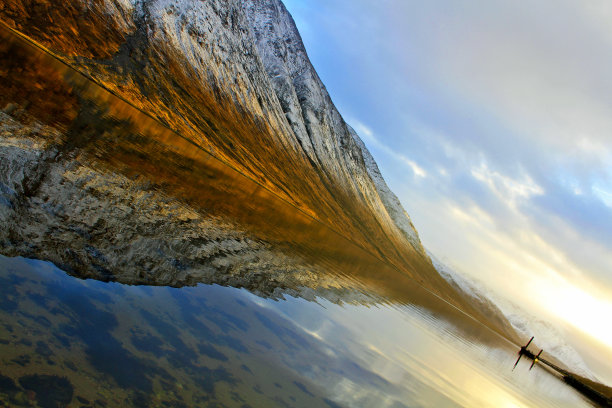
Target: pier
[577,382]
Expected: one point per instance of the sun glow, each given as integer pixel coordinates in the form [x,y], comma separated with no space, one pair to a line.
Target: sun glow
[579,308]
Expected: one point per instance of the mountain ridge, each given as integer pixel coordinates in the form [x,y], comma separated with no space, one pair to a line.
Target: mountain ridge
[199,69]
[168,20]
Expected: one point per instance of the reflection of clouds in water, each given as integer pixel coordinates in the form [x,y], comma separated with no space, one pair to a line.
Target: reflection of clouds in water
[386,356]
[352,374]
[218,341]
[196,337]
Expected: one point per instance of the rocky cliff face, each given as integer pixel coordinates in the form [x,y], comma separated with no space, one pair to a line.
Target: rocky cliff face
[231,77]
[328,141]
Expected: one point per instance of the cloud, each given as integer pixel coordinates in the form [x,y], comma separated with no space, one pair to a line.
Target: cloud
[416,169]
[603,194]
[586,214]
[519,264]
[504,109]
[372,141]
[506,188]
[517,61]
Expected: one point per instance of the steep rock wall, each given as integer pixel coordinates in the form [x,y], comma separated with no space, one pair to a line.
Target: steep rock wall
[234,77]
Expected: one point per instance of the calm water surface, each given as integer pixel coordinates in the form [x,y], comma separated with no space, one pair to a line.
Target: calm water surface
[369,337]
[88,343]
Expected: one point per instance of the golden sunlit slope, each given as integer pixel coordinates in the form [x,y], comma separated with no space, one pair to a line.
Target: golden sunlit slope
[225,103]
[202,72]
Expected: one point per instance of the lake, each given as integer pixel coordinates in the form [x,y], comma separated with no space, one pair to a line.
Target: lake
[180,282]
[118,345]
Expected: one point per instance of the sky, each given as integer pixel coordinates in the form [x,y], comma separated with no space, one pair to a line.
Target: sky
[492,123]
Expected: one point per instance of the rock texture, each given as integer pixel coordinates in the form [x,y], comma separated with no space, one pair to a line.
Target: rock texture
[109,193]
[328,141]
[97,224]
[235,77]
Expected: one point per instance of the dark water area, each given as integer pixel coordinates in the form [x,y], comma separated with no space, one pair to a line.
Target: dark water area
[71,342]
[171,280]
[104,344]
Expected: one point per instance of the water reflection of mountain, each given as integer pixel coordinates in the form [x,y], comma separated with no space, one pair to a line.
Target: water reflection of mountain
[234,78]
[105,191]
[63,340]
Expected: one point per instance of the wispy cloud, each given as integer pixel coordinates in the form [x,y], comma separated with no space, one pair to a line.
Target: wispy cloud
[367,135]
[506,188]
[603,193]
[500,112]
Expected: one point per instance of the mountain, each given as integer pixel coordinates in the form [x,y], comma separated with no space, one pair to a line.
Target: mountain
[231,78]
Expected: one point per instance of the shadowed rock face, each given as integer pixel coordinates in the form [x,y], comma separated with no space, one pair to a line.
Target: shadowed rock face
[103,190]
